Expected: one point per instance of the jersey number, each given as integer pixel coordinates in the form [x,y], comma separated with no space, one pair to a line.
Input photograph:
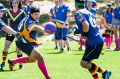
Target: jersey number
[92,21]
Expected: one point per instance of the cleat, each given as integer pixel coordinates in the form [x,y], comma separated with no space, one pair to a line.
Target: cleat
[116,49]
[56,47]
[20,66]
[61,50]
[10,65]
[79,49]
[2,65]
[69,50]
[106,74]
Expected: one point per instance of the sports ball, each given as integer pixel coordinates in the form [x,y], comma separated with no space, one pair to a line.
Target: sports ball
[50,27]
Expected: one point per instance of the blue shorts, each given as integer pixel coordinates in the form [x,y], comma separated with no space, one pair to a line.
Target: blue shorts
[61,33]
[25,47]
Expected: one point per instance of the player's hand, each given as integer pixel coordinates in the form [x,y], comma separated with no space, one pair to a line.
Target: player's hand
[84,37]
[18,36]
[53,20]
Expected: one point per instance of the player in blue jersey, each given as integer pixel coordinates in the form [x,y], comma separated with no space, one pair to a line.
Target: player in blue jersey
[27,6]
[94,12]
[90,8]
[106,21]
[94,3]
[14,16]
[62,17]
[3,26]
[28,28]
[52,15]
[87,26]
[116,23]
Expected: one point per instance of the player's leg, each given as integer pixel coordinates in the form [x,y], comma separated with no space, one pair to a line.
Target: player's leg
[8,41]
[119,37]
[19,54]
[59,37]
[86,62]
[40,62]
[116,38]
[92,52]
[66,40]
[33,56]
[56,41]
[108,39]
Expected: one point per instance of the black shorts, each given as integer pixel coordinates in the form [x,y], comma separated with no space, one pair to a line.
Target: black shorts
[10,38]
[92,52]
[25,47]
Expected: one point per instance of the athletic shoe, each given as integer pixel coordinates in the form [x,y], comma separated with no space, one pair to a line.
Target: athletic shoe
[2,65]
[61,50]
[79,49]
[20,66]
[116,49]
[10,65]
[56,47]
[106,74]
[69,50]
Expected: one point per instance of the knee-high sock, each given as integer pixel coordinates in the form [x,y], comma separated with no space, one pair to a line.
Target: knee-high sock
[108,41]
[4,55]
[42,67]
[18,56]
[20,60]
[119,43]
[93,71]
[116,42]
[100,70]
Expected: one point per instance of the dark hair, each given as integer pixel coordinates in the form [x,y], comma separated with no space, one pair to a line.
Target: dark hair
[34,9]
[111,10]
[19,5]
[80,4]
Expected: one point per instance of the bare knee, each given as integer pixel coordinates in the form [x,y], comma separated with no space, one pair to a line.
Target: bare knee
[85,64]
[82,64]
[32,59]
[37,55]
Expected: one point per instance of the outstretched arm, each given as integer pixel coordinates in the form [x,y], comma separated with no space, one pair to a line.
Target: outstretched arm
[36,28]
[9,30]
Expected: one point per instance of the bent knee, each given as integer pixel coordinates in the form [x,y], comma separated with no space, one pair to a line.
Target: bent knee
[32,59]
[83,64]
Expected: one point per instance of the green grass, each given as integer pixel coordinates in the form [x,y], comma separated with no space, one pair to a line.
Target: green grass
[61,66]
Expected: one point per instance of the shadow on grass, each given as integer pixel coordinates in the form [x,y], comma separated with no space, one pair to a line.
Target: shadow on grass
[8,70]
[55,53]
[79,54]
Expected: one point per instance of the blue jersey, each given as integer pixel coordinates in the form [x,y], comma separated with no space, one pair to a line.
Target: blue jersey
[93,11]
[53,12]
[94,3]
[61,15]
[108,17]
[2,24]
[94,37]
[25,25]
[15,18]
[27,9]
[117,13]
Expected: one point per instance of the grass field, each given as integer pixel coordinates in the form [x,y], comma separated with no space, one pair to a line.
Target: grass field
[61,66]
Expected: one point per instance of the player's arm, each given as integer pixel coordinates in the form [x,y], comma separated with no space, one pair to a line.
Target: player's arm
[68,16]
[85,25]
[8,30]
[34,27]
